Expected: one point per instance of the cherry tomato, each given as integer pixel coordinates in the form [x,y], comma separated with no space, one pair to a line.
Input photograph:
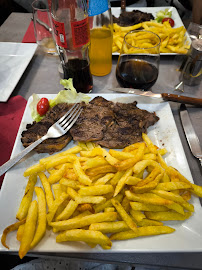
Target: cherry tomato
[171,22]
[42,106]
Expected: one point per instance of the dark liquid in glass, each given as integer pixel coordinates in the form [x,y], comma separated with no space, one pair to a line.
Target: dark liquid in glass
[79,71]
[135,73]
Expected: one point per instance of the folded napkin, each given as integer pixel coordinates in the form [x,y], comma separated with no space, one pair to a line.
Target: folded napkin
[11,114]
[29,36]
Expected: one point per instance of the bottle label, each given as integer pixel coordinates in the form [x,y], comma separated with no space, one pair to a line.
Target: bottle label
[97,7]
[80,33]
[59,31]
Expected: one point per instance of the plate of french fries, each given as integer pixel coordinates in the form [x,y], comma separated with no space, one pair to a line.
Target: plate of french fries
[174,40]
[86,198]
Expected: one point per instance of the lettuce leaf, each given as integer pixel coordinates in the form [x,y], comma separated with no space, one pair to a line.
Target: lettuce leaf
[69,95]
[33,107]
[163,14]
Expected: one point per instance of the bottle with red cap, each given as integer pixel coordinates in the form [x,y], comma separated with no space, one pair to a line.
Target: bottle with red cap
[72,36]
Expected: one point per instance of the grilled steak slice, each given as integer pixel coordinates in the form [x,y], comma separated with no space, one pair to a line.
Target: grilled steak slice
[128,18]
[128,125]
[37,130]
[93,121]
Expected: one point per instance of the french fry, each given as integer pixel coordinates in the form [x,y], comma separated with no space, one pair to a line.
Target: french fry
[27,198]
[90,199]
[34,169]
[87,206]
[125,204]
[150,177]
[70,174]
[94,162]
[126,164]
[57,175]
[147,207]
[173,172]
[47,189]
[174,197]
[137,215]
[59,160]
[122,181]
[57,190]
[20,232]
[83,221]
[170,186]
[120,155]
[143,164]
[147,187]
[133,181]
[117,176]
[57,202]
[161,161]
[149,143]
[82,177]
[88,236]
[29,230]
[109,209]
[9,229]
[149,222]
[101,169]
[73,150]
[128,220]
[103,180]
[197,190]
[170,215]
[68,211]
[96,190]
[69,183]
[142,231]
[109,227]
[41,228]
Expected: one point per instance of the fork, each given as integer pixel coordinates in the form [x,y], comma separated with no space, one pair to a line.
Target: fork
[58,129]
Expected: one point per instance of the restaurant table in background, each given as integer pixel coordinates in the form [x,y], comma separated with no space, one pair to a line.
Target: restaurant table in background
[42,77]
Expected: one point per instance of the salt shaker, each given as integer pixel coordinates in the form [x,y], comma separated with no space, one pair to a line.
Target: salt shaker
[192,71]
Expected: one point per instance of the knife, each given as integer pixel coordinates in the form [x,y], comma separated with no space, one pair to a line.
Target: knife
[161,97]
[190,134]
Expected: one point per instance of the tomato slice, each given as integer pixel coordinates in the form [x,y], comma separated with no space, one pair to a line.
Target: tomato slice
[171,22]
[42,106]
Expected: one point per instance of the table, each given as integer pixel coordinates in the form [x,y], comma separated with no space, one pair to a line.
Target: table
[42,72]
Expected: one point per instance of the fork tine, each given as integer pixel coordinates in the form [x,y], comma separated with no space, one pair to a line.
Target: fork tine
[67,113]
[71,122]
[63,121]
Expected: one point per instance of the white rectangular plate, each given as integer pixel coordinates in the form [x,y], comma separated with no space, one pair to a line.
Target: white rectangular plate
[153,11]
[14,59]
[188,234]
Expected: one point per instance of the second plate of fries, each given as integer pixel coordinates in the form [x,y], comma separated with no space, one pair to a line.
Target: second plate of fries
[90,199]
[173,40]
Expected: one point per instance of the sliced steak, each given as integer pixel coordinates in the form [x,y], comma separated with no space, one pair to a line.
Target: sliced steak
[128,125]
[93,121]
[128,18]
[37,130]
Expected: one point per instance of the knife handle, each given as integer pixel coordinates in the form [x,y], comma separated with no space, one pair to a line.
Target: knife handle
[182,99]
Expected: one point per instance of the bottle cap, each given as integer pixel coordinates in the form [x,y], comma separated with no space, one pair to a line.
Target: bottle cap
[97,7]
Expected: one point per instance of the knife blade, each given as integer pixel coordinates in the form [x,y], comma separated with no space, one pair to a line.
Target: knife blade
[190,134]
[161,97]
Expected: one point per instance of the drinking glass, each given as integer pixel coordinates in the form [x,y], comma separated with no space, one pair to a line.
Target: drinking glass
[138,62]
[43,26]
